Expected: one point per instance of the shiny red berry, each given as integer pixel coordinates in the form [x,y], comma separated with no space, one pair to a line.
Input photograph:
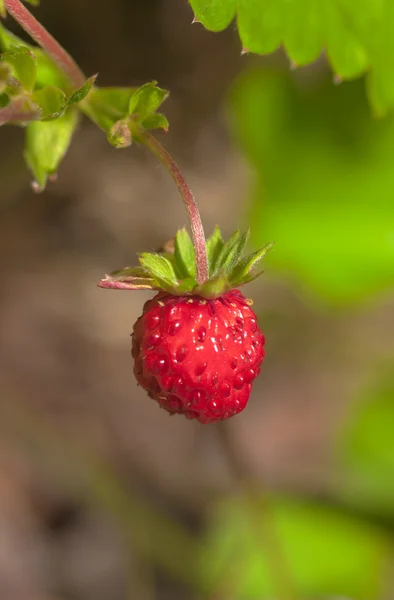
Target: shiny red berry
[198,357]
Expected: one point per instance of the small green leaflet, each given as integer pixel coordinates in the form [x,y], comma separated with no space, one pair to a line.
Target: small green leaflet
[46,144]
[50,99]
[146,100]
[116,109]
[357,35]
[106,106]
[48,73]
[24,65]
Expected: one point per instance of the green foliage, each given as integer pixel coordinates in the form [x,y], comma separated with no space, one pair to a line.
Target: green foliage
[23,64]
[124,112]
[358,36]
[50,100]
[174,270]
[365,450]
[107,106]
[33,87]
[326,552]
[46,144]
[323,183]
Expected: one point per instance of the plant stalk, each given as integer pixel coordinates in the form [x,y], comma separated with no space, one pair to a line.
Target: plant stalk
[44,39]
[17,113]
[188,199]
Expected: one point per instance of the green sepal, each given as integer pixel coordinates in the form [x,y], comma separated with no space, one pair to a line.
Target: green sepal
[214,287]
[230,253]
[173,270]
[129,278]
[214,247]
[184,256]
[244,270]
[155,121]
[159,268]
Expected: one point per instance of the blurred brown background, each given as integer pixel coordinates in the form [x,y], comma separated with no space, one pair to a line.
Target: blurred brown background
[68,397]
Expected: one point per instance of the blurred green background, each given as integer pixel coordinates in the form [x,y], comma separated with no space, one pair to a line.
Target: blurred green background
[102,495]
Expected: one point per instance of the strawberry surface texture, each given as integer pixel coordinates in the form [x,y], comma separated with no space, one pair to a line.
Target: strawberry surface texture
[198,357]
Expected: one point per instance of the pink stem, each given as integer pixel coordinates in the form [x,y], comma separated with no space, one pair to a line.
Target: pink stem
[44,39]
[190,203]
[17,112]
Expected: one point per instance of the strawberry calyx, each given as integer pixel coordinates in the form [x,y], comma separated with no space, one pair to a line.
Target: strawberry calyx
[173,269]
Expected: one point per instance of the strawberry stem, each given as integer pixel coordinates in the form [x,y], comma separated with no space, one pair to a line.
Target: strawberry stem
[189,201]
[44,39]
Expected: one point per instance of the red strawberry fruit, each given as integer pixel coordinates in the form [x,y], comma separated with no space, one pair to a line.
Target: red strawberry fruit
[197,348]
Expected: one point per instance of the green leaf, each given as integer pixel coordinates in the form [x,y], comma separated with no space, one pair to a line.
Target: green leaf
[48,73]
[215,15]
[107,106]
[159,267]
[24,65]
[46,144]
[323,186]
[82,92]
[184,255]
[155,121]
[3,12]
[146,100]
[50,99]
[357,35]
[244,270]
[326,552]
[365,449]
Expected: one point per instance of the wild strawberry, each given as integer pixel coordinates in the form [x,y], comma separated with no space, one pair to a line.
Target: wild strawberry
[198,357]
[197,348]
